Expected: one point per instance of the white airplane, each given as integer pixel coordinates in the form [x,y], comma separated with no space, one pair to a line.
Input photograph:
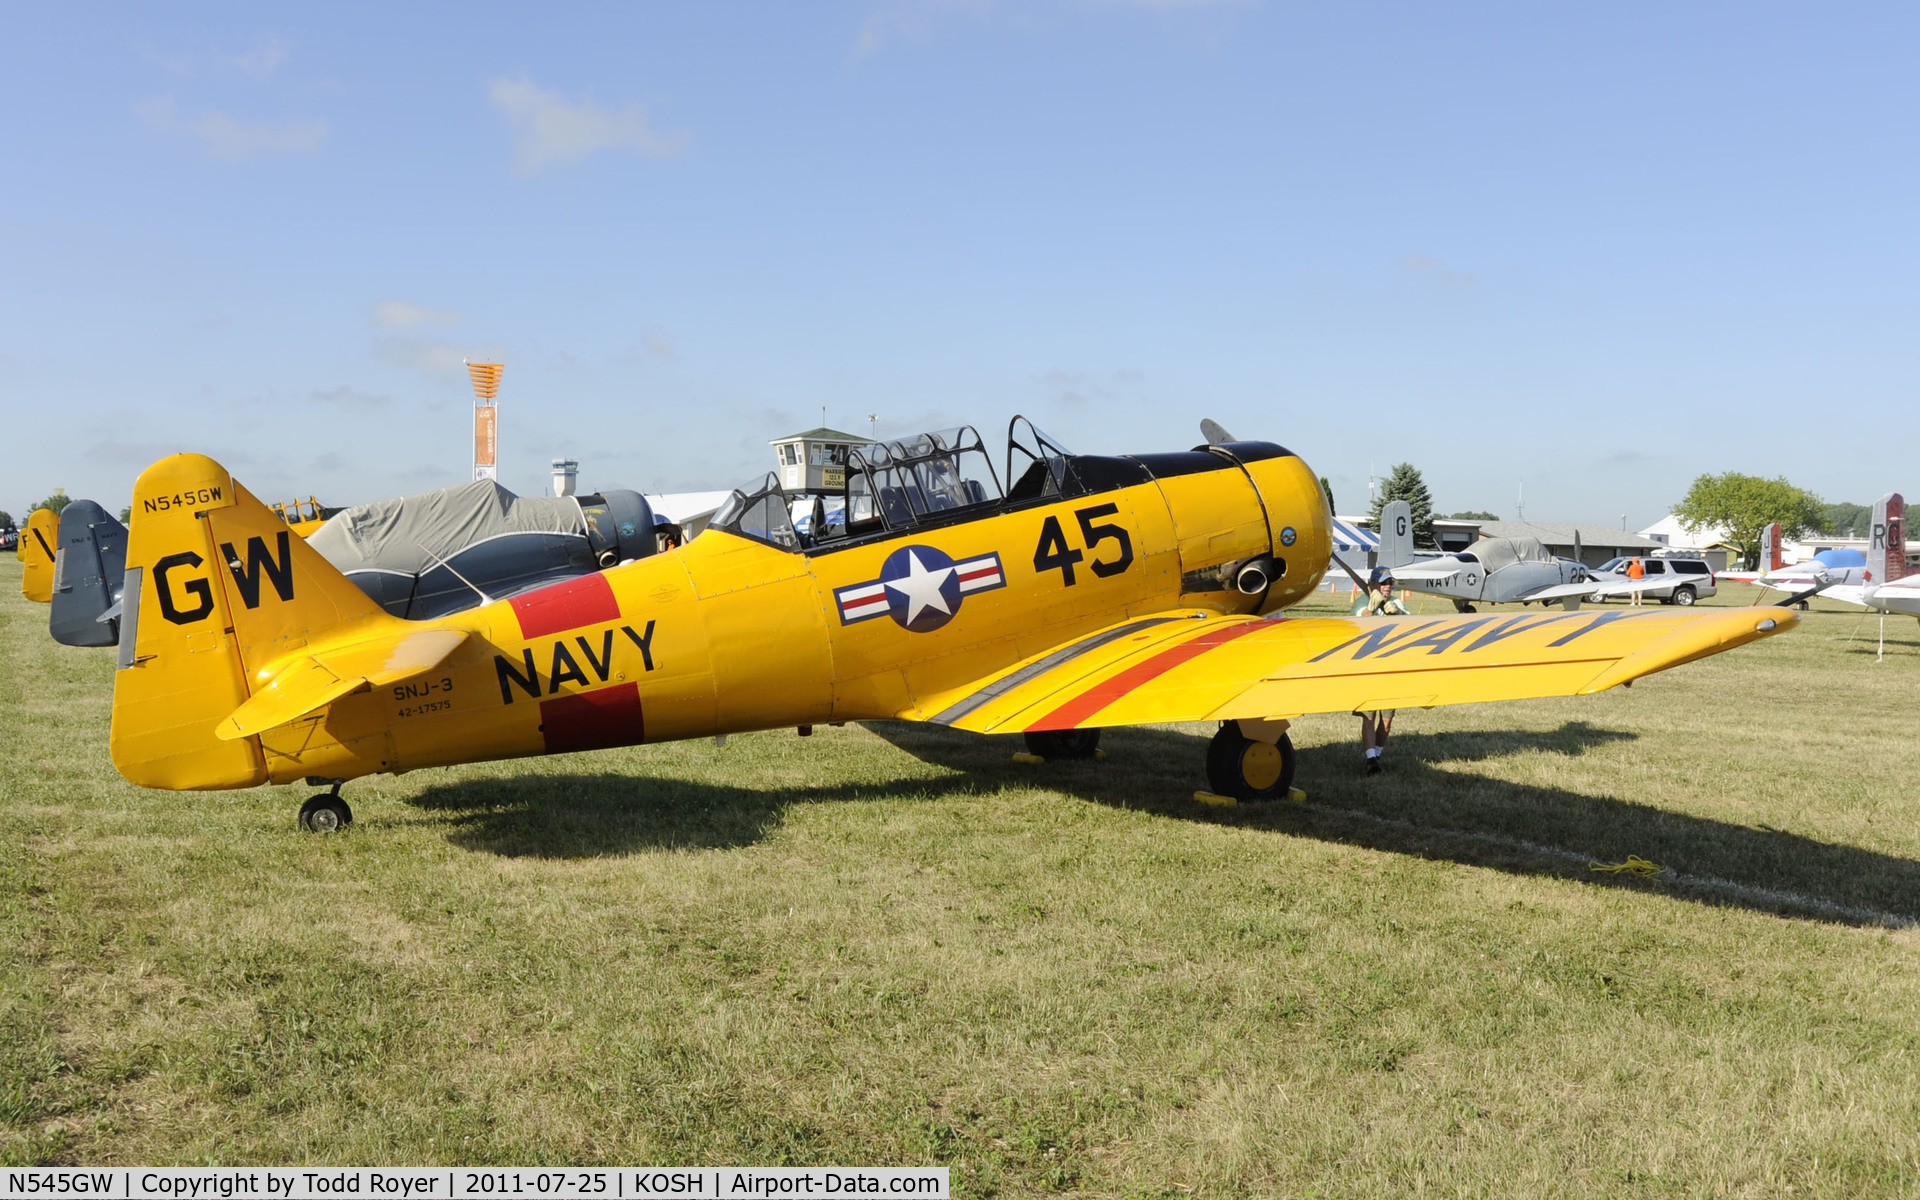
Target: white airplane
[1492,570]
[1822,572]
[1887,587]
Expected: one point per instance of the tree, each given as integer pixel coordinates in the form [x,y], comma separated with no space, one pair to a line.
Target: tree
[1328,489]
[1846,520]
[126,515]
[6,519]
[1405,484]
[1744,505]
[55,502]
[1475,515]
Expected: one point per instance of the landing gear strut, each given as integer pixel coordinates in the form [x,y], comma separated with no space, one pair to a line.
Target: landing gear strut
[1247,768]
[325,813]
[1056,744]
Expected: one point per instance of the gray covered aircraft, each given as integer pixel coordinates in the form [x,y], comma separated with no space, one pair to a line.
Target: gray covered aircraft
[1492,570]
[418,556]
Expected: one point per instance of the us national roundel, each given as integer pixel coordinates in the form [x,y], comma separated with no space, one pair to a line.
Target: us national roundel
[920,587]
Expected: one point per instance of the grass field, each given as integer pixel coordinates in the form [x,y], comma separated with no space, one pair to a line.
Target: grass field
[894,945]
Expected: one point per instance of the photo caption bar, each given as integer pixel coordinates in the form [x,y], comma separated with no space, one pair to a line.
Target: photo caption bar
[469,1183]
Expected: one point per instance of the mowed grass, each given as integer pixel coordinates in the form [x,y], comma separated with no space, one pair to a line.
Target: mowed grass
[892,944]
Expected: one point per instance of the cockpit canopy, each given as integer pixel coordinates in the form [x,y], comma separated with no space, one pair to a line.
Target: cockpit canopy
[898,485]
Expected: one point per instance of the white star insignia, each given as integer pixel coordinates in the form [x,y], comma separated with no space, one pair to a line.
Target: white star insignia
[921,588]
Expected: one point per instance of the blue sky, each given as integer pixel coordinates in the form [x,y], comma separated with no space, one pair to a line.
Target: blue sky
[1595,251]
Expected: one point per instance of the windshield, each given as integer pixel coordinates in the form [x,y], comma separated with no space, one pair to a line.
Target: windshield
[762,514]
[1036,464]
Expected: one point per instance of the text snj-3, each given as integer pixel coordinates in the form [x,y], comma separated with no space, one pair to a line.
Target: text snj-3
[1047,593]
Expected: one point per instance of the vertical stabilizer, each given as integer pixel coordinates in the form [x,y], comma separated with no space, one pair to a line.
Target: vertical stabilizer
[1396,534]
[1770,556]
[92,549]
[39,542]
[216,588]
[1887,540]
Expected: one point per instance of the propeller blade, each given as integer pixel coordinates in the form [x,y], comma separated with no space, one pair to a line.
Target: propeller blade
[1214,432]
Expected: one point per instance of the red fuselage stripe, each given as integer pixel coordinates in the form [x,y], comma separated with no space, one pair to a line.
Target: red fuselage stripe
[1075,712]
[559,607]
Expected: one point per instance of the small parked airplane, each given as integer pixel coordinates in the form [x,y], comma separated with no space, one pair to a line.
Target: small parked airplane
[1492,570]
[1822,572]
[1093,591]
[1889,588]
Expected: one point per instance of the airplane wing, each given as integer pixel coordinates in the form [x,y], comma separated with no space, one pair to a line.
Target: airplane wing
[1187,666]
[1619,587]
[1560,591]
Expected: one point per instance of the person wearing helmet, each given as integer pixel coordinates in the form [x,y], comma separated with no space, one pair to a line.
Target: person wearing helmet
[1378,602]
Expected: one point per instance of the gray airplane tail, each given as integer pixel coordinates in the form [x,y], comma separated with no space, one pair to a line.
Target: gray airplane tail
[88,572]
[1396,535]
[1887,540]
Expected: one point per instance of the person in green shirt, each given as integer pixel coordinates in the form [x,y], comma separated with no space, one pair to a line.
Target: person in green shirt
[1378,602]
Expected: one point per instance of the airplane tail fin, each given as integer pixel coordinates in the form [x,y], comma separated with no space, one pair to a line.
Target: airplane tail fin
[1887,540]
[1396,535]
[1770,555]
[216,586]
[39,550]
[87,576]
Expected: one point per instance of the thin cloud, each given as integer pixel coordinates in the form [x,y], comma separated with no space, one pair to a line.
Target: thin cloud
[911,20]
[436,358]
[404,314]
[1432,268]
[548,130]
[262,59]
[231,139]
[346,397]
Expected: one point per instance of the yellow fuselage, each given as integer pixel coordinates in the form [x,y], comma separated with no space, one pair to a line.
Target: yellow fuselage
[729,634]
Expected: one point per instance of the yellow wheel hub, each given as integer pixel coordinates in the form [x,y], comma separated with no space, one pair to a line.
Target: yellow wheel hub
[1260,766]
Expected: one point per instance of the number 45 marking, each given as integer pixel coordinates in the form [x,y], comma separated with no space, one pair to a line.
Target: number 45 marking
[1054,554]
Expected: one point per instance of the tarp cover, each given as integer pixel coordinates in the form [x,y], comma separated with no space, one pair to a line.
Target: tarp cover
[1495,553]
[397,535]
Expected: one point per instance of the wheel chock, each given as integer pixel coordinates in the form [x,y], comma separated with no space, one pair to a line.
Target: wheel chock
[1296,795]
[1215,800]
[1024,757]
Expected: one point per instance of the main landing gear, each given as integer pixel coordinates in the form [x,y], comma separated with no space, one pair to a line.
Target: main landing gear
[1056,744]
[325,813]
[1251,760]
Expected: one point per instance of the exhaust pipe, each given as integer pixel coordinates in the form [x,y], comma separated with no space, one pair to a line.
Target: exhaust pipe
[1256,575]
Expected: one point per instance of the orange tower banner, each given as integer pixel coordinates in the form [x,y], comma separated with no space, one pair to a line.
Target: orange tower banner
[486,418]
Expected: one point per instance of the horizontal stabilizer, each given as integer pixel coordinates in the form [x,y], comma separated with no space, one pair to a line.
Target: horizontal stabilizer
[304,682]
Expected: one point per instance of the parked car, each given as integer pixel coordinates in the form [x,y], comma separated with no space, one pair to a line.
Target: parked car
[9,539]
[1671,579]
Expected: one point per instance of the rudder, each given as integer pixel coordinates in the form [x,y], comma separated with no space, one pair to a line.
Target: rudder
[39,540]
[1887,540]
[1396,535]
[87,577]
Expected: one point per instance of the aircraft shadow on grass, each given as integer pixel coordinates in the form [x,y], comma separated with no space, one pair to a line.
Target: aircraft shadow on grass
[1425,806]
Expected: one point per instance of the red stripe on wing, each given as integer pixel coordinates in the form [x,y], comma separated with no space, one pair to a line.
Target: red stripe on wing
[1076,711]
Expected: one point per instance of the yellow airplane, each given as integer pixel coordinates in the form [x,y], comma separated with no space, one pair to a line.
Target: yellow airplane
[1095,592]
[36,550]
[303,516]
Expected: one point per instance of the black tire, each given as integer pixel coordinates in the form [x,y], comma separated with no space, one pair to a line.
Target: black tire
[325,813]
[1684,595]
[1054,744]
[1244,769]
[1463,606]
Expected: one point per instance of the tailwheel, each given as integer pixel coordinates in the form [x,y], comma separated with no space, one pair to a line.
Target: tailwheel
[1245,769]
[325,813]
[1053,744]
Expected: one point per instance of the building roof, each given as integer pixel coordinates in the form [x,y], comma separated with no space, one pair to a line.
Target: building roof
[823,434]
[1558,533]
